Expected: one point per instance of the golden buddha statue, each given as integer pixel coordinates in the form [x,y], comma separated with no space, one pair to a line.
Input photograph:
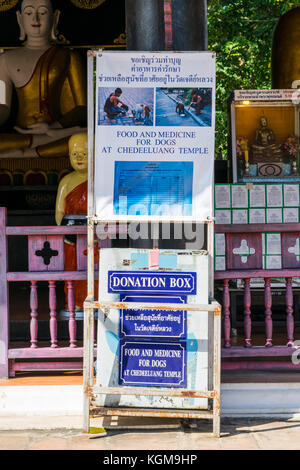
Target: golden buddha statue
[286,50]
[265,148]
[50,84]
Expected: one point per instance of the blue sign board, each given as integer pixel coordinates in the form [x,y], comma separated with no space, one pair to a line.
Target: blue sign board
[152,282]
[153,323]
[152,364]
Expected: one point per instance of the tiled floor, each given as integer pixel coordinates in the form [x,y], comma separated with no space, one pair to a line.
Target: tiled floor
[236,434]
[44,378]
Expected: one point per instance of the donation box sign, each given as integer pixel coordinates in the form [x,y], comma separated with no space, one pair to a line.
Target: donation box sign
[154,140]
[153,363]
[157,347]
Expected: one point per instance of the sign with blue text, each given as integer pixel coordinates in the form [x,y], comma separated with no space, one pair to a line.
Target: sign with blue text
[153,347]
[152,282]
[153,323]
[152,364]
[154,140]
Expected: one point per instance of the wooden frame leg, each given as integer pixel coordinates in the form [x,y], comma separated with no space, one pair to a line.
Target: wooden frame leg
[4,314]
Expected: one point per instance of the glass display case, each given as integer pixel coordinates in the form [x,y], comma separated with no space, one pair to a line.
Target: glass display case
[265,135]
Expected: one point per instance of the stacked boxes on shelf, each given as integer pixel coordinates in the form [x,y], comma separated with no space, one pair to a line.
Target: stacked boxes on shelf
[256,204]
[271,250]
[220,259]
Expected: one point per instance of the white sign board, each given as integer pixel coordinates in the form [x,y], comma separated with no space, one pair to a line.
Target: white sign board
[266,95]
[154,142]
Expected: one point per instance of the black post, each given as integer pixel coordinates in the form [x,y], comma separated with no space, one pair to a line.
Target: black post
[189,25]
[145,25]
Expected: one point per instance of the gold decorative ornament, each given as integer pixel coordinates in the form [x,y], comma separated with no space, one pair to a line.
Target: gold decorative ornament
[7,4]
[87,4]
[60,40]
[121,39]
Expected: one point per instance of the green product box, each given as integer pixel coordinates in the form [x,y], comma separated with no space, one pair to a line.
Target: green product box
[239,196]
[290,215]
[274,216]
[274,195]
[257,196]
[220,263]
[239,216]
[220,247]
[257,216]
[271,249]
[223,216]
[222,196]
[291,195]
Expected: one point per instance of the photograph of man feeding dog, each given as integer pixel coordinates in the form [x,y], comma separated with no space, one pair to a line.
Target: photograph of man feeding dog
[183,106]
[125,106]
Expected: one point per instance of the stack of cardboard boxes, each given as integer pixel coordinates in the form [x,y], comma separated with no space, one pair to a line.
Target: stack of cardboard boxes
[259,203]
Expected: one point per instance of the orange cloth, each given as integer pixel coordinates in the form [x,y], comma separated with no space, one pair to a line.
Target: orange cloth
[114,100]
[76,200]
[76,203]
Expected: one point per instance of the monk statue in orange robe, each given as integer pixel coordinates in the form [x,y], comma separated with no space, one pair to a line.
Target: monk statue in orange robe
[50,85]
[72,200]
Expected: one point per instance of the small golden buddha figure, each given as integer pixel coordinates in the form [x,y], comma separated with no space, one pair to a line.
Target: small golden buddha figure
[50,85]
[265,148]
[72,200]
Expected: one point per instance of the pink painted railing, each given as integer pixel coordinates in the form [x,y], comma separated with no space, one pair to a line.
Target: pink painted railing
[47,242]
[249,356]
[51,239]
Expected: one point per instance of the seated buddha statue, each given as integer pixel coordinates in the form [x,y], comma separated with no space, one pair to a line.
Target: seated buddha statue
[265,148]
[71,201]
[50,85]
